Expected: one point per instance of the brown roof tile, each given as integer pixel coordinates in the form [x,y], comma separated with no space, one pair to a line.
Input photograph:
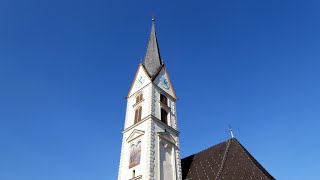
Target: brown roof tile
[227,160]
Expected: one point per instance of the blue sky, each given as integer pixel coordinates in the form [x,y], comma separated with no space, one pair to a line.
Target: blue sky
[66,66]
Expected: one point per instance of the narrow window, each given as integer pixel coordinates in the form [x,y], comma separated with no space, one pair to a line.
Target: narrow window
[137,116]
[164,116]
[163,99]
[139,98]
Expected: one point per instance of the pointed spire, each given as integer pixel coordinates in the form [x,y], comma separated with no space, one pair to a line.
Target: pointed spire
[152,59]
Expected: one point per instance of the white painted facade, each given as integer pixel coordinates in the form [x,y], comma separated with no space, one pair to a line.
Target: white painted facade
[160,153]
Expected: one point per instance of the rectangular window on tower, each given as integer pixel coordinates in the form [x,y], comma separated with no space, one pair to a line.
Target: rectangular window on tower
[137,116]
[139,98]
[164,116]
[163,99]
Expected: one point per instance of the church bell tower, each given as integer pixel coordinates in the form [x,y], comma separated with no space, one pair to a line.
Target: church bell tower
[150,144]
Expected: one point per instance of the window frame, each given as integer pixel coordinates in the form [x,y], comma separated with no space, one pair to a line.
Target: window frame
[138,114]
[139,98]
[164,99]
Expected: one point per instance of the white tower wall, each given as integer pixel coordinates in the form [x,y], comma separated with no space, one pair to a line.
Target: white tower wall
[150,144]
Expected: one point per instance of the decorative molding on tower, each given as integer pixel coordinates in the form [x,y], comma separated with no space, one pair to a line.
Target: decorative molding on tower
[179,161]
[150,150]
[153,101]
[175,116]
[136,178]
[167,137]
[134,135]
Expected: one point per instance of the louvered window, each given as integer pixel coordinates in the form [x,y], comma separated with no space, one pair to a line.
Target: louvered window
[137,116]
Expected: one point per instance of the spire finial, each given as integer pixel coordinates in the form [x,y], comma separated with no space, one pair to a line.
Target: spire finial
[152,18]
[231,131]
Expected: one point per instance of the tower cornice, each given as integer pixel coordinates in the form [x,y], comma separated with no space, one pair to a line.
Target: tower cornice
[152,118]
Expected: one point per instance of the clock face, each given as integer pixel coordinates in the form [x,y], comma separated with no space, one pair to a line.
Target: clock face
[164,82]
[139,81]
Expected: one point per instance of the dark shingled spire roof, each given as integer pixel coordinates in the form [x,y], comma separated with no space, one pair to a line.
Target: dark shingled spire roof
[152,60]
[227,160]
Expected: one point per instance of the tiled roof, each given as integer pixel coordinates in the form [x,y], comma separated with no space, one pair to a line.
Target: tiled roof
[152,60]
[227,160]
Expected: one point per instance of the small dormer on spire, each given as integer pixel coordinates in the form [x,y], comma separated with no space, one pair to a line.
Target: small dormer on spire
[152,60]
